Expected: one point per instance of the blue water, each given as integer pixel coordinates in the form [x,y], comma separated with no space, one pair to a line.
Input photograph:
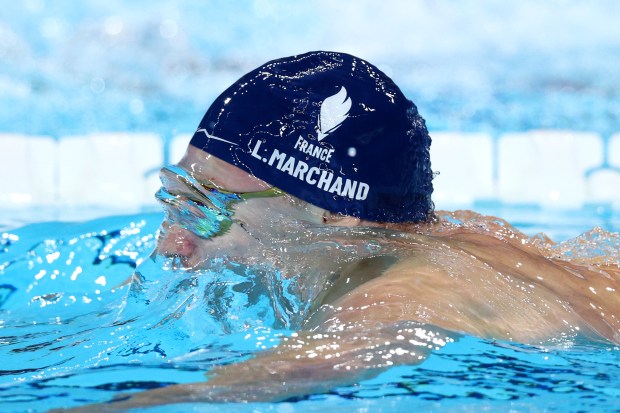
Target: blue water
[69,335]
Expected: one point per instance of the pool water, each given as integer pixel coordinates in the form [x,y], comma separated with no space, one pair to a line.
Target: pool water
[72,334]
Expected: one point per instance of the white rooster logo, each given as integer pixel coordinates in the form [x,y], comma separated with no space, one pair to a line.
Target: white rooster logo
[334,110]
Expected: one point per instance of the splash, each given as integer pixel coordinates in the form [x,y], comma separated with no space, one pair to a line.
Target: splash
[595,247]
[224,298]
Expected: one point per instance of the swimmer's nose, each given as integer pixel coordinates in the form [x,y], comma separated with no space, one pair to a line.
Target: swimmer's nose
[193,251]
[174,241]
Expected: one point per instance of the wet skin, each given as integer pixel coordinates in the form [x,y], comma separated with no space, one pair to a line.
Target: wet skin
[489,282]
[484,279]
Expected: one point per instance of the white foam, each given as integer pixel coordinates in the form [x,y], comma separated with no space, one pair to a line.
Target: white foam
[28,167]
[547,167]
[465,166]
[109,169]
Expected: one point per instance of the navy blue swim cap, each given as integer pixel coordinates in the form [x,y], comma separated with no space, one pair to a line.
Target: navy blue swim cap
[330,129]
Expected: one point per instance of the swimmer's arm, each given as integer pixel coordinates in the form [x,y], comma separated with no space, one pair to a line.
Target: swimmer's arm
[310,363]
[304,364]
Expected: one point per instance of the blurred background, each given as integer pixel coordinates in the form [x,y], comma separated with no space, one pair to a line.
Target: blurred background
[522,98]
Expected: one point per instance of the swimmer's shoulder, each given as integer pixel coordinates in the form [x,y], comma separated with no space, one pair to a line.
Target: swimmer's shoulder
[356,274]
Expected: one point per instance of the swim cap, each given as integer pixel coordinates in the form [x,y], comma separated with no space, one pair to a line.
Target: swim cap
[328,128]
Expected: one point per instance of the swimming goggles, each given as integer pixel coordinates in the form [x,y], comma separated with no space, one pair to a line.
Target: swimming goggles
[201,207]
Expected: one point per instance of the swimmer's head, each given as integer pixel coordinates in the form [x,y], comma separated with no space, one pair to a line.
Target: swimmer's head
[330,129]
[207,199]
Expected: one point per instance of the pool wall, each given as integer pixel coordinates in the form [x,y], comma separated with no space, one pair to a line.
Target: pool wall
[546,168]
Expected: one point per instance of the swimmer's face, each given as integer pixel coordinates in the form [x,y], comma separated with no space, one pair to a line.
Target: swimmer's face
[216,209]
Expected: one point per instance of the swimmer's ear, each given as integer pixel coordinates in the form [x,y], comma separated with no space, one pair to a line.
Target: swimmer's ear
[340,220]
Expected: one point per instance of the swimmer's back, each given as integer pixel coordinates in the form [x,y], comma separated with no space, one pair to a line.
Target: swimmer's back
[496,291]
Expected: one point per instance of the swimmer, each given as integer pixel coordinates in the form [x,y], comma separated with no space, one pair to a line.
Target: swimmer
[318,165]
